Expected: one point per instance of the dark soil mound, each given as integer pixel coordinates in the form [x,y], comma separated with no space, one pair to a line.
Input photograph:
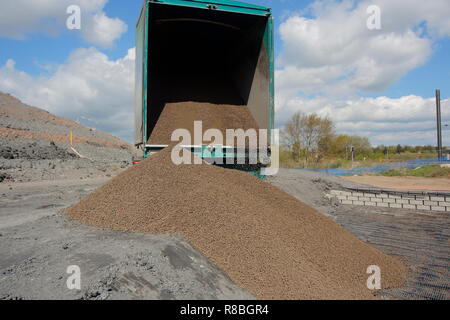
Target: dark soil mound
[35,151]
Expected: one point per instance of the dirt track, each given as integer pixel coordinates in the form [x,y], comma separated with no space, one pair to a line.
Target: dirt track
[404,183]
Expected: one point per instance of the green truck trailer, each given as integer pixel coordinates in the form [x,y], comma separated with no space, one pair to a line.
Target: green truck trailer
[179,42]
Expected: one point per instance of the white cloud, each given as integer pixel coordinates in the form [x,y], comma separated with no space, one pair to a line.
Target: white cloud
[406,120]
[19,18]
[330,57]
[325,62]
[343,55]
[90,85]
[103,30]
[399,15]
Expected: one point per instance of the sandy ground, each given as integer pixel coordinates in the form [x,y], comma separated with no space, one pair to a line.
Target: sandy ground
[403,183]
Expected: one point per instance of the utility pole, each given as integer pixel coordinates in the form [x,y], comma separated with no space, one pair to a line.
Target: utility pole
[439,123]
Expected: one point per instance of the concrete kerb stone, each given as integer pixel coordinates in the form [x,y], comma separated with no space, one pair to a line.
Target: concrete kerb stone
[382,204]
[398,199]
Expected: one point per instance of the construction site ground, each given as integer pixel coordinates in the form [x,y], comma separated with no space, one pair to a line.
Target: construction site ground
[38,243]
[41,175]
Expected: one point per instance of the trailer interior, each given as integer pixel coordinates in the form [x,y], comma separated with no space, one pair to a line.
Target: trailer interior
[207,56]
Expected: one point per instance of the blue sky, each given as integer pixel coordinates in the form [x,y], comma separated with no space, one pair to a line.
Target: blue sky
[40,50]
[407,65]
[423,81]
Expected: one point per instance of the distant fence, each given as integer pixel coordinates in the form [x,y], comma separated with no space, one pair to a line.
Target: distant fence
[412,164]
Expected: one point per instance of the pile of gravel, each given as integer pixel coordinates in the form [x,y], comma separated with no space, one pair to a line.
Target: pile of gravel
[182,115]
[269,243]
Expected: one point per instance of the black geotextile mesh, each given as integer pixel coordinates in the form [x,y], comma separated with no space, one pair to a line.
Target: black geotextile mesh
[420,239]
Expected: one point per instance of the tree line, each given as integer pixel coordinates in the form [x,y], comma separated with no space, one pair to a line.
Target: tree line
[308,139]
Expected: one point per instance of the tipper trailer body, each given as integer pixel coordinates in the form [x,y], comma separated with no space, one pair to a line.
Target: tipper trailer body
[189,50]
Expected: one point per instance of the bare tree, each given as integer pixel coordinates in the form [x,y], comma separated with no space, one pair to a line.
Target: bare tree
[290,135]
[308,135]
